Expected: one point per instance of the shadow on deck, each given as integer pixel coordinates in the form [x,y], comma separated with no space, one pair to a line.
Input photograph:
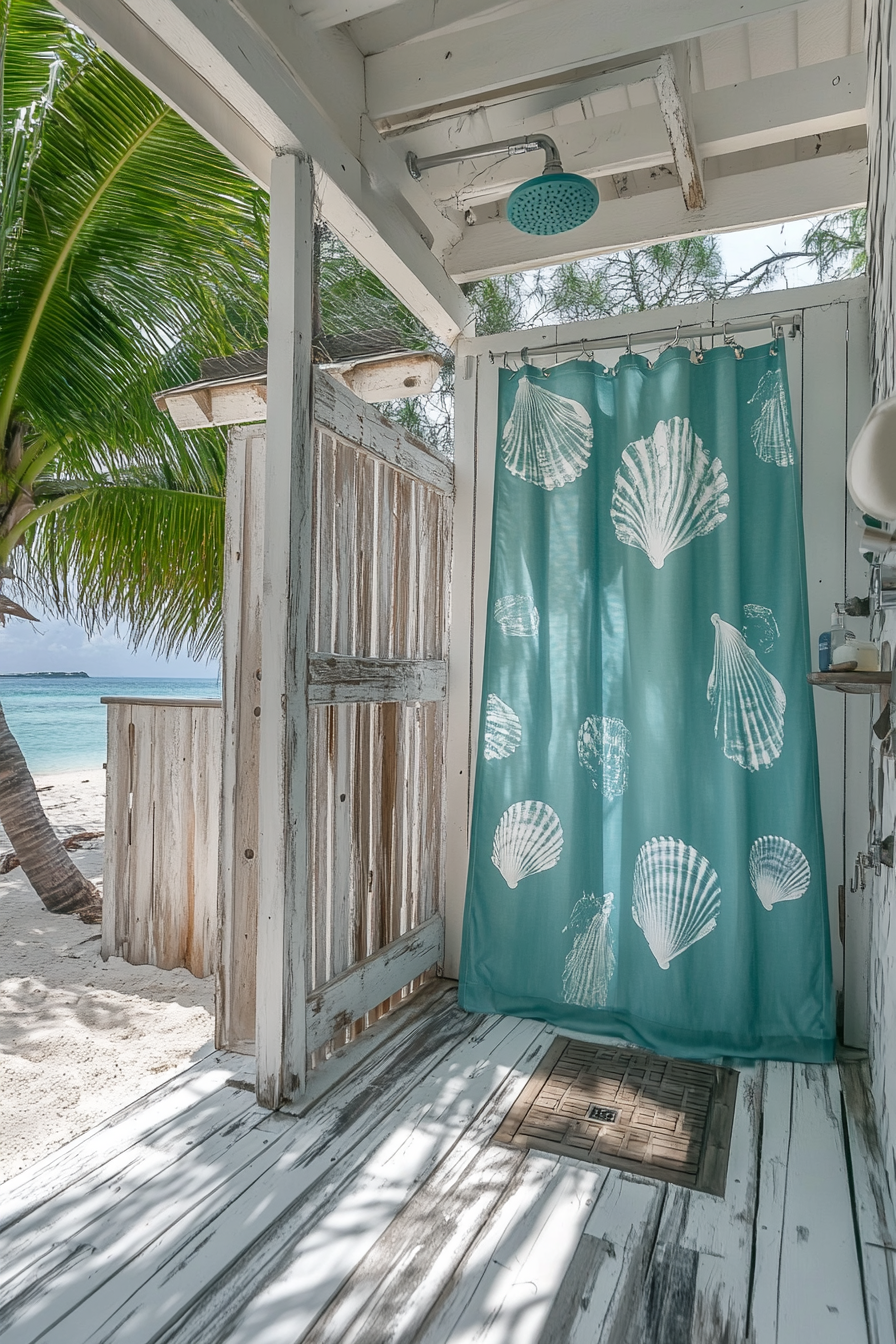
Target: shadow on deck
[378,1211]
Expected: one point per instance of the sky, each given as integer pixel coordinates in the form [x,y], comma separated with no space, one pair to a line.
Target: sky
[56,646]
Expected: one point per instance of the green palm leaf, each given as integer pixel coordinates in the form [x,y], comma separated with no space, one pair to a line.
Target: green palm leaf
[143,554]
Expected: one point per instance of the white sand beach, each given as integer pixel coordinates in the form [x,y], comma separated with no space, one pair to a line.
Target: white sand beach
[80,1037]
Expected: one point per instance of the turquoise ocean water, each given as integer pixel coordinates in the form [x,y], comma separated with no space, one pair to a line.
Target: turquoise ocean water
[60,724]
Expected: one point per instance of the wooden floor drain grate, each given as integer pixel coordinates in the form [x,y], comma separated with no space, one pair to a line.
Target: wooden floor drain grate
[665,1118]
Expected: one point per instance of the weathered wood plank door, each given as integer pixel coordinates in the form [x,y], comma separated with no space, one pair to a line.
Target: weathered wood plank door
[375,682]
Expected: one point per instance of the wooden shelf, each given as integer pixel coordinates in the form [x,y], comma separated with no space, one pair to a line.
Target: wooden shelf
[851,683]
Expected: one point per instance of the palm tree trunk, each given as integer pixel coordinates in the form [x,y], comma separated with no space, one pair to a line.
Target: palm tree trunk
[48,867]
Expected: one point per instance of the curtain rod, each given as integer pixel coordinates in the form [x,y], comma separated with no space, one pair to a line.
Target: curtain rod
[674,335]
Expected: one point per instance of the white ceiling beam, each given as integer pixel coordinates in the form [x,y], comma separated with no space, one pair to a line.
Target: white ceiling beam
[458,68]
[272,91]
[829,96]
[743,200]
[122,33]
[814,100]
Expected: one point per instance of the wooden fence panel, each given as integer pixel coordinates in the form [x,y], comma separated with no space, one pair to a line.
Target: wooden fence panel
[162,819]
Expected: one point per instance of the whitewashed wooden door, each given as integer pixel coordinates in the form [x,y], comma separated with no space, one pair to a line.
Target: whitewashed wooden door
[830,389]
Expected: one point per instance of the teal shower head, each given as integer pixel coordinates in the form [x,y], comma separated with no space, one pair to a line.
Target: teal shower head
[552,203]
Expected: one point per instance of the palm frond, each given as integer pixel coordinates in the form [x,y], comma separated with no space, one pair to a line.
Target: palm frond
[156,233]
[148,556]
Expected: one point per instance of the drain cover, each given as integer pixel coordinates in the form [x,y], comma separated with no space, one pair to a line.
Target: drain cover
[607,1115]
[666,1118]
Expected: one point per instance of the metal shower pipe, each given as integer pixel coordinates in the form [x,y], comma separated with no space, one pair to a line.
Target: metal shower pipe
[520,145]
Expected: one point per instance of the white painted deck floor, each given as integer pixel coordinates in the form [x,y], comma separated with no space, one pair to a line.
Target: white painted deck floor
[379,1211]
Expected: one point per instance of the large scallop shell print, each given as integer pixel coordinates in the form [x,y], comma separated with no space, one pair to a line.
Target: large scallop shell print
[779,870]
[676,897]
[503,730]
[747,701]
[591,963]
[667,491]
[770,430]
[517,615]
[603,751]
[547,439]
[528,839]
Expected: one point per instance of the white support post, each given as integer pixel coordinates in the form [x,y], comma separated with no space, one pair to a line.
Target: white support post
[673,91]
[282,802]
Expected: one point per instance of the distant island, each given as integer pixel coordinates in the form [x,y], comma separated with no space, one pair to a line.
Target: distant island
[44,674]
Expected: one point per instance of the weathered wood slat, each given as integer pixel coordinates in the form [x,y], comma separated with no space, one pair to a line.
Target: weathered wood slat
[820,1296]
[345,415]
[598,1299]
[336,1005]
[238,857]
[697,1288]
[400,1279]
[39,1184]
[362,1208]
[270,1199]
[161,858]
[777,1100]
[341,679]
[872,1203]
[91,1200]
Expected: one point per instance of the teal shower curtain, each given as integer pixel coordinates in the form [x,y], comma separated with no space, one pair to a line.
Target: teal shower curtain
[646,858]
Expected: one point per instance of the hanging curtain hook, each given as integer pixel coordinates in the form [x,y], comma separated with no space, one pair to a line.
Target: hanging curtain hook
[777,331]
[628,344]
[726,335]
[491,357]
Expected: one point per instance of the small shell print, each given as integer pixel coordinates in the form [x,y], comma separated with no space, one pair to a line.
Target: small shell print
[770,430]
[547,439]
[528,839]
[675,899]
[603,751]
[503,730]
[747,701]
[760,627]
[591,963]
[517,615]
[779,870]
[667,491]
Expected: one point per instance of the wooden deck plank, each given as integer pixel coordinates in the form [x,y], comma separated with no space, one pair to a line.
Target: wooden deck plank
[384,1214]
[514,1295]
[39,1183]
[460,1096]
[598,1298]
[394,1287]
[777,1101]
[697,1284]
[873,1205]
[83,1305]
[820,1289]
[223,1267]
[78,1212]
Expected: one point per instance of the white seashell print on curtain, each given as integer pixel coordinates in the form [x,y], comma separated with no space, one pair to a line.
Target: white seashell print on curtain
[748,702]
[779,870]
[503,730]
[603,751]
[517,615]
[770,430]
[592,961]
[676,897]
[547,439]
[667,491]
[760,626]
[528,839]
